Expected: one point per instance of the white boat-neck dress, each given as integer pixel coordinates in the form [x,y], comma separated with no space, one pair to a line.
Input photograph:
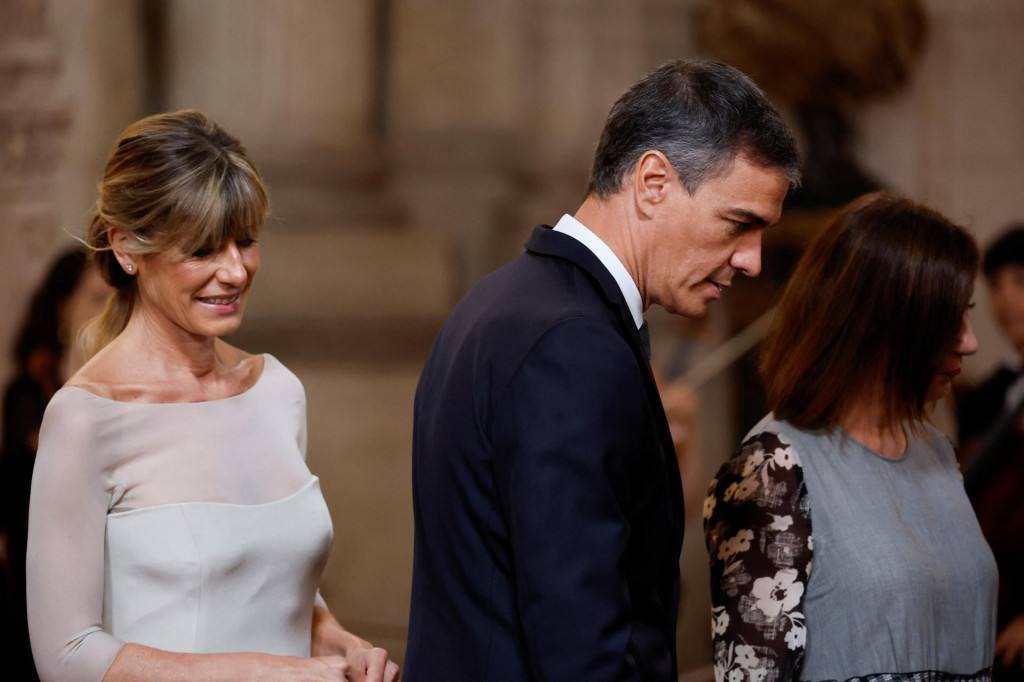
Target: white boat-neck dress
[187,527]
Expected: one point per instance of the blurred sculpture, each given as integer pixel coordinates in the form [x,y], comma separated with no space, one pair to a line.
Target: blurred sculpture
[823,57]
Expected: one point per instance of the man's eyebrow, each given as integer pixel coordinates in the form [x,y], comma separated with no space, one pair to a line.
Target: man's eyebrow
[748,216]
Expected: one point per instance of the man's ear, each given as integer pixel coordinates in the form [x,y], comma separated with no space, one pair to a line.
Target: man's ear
[652,178]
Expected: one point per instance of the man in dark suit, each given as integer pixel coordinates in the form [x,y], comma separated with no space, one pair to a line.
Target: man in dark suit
[549,512]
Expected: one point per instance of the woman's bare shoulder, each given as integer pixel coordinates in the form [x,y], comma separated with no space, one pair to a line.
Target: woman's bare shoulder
[243,368]
[237,359]
[100,375]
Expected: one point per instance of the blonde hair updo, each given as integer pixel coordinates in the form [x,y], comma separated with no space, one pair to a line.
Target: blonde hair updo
[175,180]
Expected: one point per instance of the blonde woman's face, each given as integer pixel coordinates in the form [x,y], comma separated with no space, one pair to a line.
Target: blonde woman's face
[202,294]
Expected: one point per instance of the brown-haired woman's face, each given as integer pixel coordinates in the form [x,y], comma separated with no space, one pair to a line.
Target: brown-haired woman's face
[201,293]
[952,364]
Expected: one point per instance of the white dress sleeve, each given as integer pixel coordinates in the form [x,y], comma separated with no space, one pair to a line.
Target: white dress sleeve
[72,489]
[301,437]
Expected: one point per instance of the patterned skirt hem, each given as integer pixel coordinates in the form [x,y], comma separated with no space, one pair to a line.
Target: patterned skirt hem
[983,675]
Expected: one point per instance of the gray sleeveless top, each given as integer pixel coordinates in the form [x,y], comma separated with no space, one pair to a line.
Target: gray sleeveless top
[864,567]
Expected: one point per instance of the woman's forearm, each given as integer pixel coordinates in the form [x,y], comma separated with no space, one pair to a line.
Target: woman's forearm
[330,638]
[136,663]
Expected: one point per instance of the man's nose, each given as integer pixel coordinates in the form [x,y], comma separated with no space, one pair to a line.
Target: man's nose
[747,256]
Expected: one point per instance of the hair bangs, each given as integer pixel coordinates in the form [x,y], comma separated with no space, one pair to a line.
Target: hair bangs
[228,201]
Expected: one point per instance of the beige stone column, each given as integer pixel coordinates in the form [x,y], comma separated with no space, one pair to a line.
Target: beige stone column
[32,126]
[459,86]
[99,43]
[294,81]
[582,56]
[284,76]
[497,107]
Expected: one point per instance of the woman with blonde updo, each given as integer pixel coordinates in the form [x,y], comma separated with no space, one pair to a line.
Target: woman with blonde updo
[175,532]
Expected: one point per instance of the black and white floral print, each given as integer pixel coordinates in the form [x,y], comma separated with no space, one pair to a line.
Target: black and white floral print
[757,528]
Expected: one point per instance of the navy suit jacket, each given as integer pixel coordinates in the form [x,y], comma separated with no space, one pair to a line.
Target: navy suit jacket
[549,510]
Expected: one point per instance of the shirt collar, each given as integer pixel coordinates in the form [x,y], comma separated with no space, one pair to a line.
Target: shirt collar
[574,228]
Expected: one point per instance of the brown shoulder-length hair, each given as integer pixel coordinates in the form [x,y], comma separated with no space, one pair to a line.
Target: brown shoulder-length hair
[880,294]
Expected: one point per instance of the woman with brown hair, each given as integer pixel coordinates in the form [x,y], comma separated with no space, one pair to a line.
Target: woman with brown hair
[175,532]
[846,470]
[70,294]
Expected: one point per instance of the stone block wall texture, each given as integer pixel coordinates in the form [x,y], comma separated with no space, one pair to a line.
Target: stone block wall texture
[406,161]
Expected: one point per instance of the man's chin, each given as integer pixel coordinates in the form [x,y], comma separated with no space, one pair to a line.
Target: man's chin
[693,310]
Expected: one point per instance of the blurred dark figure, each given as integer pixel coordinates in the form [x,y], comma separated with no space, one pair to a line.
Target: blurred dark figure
[71,293]
[992,450]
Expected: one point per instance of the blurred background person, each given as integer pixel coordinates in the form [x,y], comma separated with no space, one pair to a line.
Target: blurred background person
[847,473]
[992,448]
[71,293]
[175,531]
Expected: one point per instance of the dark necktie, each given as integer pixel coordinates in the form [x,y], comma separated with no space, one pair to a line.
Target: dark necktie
[645,337]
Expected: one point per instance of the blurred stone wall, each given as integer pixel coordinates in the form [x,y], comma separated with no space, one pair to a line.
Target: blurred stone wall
[33,131]
[409,146]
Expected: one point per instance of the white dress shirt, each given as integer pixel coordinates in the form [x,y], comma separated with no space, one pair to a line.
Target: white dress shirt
[574,228]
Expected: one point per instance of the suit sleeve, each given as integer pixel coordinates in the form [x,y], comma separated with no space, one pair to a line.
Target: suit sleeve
[571,419]
[71,492]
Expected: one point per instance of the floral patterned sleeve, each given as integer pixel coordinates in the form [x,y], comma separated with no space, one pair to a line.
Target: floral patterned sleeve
[757,528]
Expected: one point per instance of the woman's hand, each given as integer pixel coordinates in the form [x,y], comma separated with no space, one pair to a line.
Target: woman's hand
[1010,644]
[368,663]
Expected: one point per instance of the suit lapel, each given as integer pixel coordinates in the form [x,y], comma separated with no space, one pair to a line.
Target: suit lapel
[548,242]
[545,241]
